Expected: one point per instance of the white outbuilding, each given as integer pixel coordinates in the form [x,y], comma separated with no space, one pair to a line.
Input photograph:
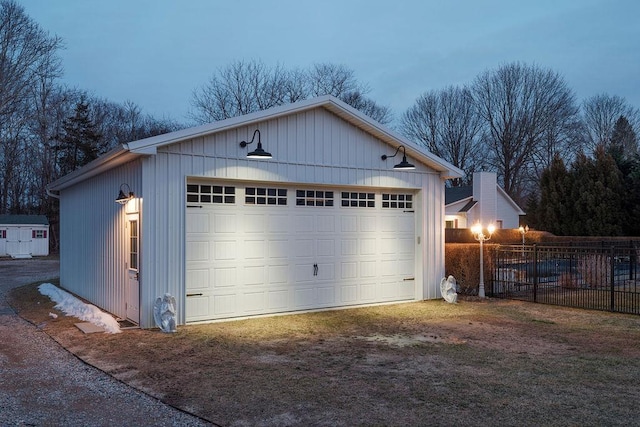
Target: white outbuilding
[24,236]
[206,215]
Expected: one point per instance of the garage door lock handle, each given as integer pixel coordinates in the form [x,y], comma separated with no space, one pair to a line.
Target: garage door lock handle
[194,295]
[315,269]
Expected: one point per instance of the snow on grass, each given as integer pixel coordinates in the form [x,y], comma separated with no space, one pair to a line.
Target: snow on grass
[72,306]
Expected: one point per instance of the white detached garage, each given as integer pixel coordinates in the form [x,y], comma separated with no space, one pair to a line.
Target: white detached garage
[324,222]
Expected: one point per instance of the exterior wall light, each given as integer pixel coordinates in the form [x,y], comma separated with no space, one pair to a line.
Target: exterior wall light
[259,152]
[403,165]
[479,235]
[123,197]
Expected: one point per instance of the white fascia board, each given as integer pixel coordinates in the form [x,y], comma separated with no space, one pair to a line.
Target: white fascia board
[115,157]
[510,200]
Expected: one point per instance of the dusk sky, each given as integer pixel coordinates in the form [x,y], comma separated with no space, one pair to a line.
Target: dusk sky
[156,52]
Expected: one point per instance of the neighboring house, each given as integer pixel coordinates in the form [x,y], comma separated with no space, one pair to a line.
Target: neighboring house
[484,201]
[323,223]
[24,236]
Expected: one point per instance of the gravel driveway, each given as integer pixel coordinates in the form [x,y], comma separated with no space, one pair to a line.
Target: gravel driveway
[43,384]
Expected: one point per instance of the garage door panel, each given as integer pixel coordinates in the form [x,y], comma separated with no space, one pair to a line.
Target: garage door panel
[368,224]
[349,247]
[245,260]
[349,294]
[327,296]
[198,250]
[223,304]
[304,248]
[253,275]
[368,292]
[305,297]
[326,247]
[224,250]
[303,272]
[198,223]
[304,223]
[278,273]
[224,223]
[198,279]
[225,277]
[349,224]
[348,270]
[325,224]
[254,302]
[279,249]
[278,224]
[368,246]
[198,307]
[278,299]
[368,269]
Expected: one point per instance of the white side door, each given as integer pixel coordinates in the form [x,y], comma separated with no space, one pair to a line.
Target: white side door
[133,268]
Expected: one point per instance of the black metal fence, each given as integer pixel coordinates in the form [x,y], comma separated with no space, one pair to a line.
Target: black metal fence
[594,276]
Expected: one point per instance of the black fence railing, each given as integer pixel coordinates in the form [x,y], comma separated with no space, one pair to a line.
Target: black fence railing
[593,277]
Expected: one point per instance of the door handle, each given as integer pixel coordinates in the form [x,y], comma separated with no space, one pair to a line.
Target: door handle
[315,269]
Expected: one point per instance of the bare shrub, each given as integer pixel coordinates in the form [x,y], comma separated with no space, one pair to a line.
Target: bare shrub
[595,270]
[462,261]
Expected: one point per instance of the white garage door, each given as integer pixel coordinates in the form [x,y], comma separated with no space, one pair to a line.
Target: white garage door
[255,249]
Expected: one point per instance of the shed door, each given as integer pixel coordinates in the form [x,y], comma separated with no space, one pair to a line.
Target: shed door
[271,250]
[19,241]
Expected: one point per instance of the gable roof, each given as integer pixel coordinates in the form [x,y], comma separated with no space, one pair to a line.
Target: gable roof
[455,194]
[149,146]
[23,220]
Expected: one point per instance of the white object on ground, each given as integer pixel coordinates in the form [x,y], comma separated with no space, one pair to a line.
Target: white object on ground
[164,313]
[72,306]
[448,289]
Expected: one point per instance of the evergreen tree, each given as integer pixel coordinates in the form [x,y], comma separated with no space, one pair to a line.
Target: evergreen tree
[597,194]
[553,212]
[624,142]
[81,142]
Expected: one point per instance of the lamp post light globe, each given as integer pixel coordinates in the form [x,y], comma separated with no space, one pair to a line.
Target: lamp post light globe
[479,235]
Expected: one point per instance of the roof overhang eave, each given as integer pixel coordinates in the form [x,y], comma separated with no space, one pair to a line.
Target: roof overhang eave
[113,158]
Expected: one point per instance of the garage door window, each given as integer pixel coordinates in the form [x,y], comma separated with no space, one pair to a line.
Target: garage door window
[265,196]
[397,201]
[358,200]
[210,194]
[314,198]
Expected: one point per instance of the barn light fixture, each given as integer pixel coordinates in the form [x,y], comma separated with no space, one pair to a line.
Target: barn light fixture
[259,152]
[123,197]
[403,165]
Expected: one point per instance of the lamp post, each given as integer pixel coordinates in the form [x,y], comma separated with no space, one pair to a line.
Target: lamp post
[479,235]
[523,230]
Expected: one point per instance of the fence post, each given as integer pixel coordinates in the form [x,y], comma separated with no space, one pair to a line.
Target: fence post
[612,275]
[535,272]
[632,259]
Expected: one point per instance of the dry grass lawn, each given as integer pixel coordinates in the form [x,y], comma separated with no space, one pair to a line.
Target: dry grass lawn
[479,362]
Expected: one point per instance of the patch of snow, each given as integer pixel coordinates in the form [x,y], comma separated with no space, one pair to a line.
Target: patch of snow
[72,306]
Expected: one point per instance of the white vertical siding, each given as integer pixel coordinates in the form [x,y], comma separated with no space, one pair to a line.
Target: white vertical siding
[433,235]
[92,233]
[313,147]
[507,213]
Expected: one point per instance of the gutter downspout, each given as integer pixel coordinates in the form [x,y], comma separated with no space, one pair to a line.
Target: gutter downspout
[51,194]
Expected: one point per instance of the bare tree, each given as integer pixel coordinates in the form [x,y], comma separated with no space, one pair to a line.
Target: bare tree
[27,60]
[600,114]
[246,87]
[447,123]
[521,105]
